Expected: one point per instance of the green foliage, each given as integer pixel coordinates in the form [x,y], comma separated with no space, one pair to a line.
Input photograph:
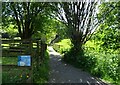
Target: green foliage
[28,17]
[63,46]
[9,60]
[14,75]
[11,30]
[0,60]
[112,10]
[107,62]
[99,62]
[48,30]
[41,74]
[100,56]
[108,37]
[109,31]
[83,60]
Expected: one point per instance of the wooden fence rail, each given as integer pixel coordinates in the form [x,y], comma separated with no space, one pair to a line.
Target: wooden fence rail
[13,48]
[18,47]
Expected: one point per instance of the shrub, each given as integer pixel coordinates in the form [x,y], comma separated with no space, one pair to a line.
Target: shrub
[107,64]
[41,74]
[103,63]
[82,60]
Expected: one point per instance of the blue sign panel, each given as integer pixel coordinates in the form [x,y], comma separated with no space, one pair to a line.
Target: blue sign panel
[24,60]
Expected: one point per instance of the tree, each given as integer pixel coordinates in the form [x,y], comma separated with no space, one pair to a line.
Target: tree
[109,32]
[80,19]
[28,17]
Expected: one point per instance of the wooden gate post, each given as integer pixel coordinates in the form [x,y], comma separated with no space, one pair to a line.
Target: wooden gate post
[38,52]
[43,49]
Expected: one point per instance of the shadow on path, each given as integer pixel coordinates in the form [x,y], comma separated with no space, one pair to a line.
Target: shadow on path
[63,73]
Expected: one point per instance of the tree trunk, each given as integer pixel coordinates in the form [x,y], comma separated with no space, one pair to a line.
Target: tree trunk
[76,40]
[26,34]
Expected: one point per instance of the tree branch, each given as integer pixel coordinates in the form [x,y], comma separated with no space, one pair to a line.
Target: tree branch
[16,16]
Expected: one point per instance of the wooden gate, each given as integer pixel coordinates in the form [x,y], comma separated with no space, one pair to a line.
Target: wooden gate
[14,48]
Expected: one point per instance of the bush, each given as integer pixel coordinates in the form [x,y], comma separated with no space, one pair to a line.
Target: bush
[81,60]
[102,63]
[41,74]
[107,64]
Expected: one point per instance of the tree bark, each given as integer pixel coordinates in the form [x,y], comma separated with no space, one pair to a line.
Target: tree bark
[76,50]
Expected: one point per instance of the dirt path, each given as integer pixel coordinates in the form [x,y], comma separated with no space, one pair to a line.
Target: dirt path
[63,73]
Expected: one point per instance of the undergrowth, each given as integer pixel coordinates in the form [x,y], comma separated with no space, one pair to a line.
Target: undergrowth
[104,64]
[41,74]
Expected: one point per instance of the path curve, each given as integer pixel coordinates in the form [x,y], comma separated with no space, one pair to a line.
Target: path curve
[61,72]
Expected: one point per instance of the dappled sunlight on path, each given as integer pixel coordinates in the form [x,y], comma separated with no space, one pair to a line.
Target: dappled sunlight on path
[63,73]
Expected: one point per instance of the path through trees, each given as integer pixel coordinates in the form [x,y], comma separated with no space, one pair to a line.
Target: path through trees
[61,72]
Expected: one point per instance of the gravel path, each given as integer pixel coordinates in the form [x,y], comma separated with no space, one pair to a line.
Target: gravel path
[63,73]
